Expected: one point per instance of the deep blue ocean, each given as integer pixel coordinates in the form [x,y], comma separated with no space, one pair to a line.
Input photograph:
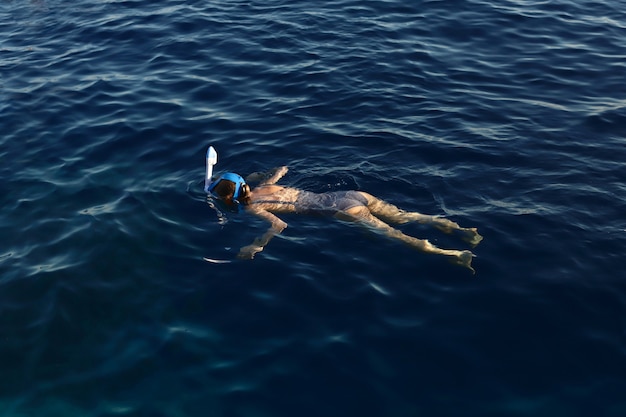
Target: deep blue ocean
[505,115]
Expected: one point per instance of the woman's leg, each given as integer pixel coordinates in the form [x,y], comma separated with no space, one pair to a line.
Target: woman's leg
[362,214]
[393,214]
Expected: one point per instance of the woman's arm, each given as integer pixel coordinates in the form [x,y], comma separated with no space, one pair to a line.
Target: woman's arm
[277,226]
[270,177]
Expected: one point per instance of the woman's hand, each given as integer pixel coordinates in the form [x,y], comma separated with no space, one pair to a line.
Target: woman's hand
[248,252]
[280,171]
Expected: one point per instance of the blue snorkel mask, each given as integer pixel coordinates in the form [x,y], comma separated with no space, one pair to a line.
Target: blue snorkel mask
[209,186]
[232,177]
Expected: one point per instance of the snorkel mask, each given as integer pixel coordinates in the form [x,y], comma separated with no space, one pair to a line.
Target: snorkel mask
[209,186]
[232,177]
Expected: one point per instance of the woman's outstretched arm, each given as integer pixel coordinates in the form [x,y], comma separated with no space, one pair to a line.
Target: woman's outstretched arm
[277,226]
[267,178]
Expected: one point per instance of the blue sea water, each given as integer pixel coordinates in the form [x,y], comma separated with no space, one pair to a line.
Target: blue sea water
[508,116]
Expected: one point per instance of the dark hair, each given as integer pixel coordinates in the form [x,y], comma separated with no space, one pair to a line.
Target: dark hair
[225,190]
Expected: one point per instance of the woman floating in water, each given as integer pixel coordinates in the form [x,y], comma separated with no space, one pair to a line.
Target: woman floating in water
[357,206]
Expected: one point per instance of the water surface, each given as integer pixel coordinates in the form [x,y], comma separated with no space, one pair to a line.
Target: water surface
[508,116]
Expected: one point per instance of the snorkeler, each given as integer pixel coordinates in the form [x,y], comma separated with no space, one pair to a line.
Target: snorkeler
[268,198]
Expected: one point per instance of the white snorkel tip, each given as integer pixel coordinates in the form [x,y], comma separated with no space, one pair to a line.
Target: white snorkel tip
[211,159]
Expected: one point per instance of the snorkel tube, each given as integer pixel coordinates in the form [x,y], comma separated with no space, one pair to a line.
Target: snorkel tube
[211,159]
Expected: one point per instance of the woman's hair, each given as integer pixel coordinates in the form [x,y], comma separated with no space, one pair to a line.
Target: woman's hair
[225,189]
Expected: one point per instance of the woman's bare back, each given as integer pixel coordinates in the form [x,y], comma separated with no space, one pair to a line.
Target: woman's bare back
[274,198]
